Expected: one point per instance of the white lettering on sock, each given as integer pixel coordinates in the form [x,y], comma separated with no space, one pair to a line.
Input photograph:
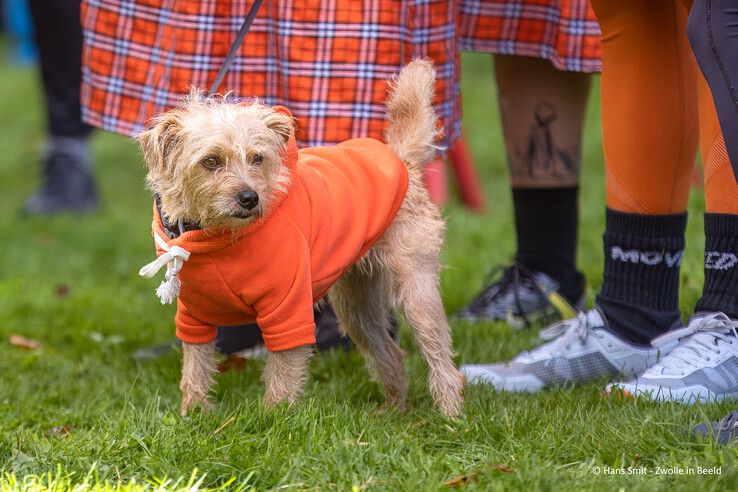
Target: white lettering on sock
[650,258]
[715,260]
[617,253]
[674,259]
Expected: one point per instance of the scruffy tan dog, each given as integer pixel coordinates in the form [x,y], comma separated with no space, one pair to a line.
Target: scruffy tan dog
[252,240]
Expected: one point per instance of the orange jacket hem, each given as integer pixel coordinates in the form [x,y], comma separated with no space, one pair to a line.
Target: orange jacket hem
[195,337]
[304,335]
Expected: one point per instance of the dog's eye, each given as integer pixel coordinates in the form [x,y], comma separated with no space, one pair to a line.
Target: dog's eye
[257,159]
[211,162]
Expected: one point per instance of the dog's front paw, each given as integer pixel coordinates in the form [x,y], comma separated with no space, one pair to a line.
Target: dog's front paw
[271,401]
[197,376]
[191,401]
[388,408]
[448,393]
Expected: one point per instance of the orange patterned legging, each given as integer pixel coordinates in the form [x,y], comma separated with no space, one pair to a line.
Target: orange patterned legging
[651,117]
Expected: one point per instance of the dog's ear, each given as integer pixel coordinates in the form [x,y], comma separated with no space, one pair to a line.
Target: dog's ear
[158,141]
[280,122]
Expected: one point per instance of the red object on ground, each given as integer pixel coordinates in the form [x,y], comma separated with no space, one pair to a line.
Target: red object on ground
[467,181]
[466,176]
[436,181]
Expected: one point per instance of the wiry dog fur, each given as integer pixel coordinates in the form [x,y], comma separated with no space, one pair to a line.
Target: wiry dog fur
[400,271]
[234,134]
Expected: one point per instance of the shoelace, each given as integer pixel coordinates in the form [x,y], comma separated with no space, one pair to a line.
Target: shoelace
[572,328]
[491,291]
[563,334]
[511,279]
[701,339]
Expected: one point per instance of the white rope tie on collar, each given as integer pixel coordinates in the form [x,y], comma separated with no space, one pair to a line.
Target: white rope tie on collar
[174,258]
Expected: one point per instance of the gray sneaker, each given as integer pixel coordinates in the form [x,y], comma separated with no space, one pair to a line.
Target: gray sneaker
[723,431]
[703,367]
[579,350]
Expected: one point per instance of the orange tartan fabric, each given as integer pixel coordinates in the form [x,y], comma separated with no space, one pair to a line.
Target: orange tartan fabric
[341,200]
[327,61]
[564,32]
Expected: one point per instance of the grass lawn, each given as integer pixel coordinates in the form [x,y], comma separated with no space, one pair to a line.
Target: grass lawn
[72,284]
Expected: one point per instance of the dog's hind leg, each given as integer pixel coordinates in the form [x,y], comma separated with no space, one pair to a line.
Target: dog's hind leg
[419,296]
[285,374]
[198,367]
[361,301]
[411,248]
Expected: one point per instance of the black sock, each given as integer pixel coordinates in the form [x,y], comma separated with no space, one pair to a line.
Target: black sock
[546,222]
[640,289]
[720,292]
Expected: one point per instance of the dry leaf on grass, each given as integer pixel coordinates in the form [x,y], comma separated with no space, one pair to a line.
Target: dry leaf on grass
[464,480]
[232,363]
[24,343]
[58,431]
[461,481]
[61,290]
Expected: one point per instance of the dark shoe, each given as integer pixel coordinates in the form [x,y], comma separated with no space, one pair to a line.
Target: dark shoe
[233,339]
[521,298]
[68,187]
[328,334]
[723,431]
[327,331]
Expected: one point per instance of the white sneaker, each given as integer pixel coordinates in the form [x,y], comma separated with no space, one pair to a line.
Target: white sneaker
[581,350]
[702,368]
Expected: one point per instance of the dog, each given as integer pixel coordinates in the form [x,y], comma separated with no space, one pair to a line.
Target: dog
[257,231]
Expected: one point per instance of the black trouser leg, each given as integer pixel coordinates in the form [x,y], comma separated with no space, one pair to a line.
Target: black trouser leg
[59,38]
[713,33]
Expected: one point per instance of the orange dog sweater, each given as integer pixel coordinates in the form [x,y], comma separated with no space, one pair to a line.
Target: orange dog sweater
[340,201]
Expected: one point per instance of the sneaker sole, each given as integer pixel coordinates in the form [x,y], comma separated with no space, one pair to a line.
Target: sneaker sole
[522,384]
[688,395]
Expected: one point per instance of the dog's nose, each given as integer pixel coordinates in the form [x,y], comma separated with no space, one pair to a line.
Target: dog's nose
[248,199]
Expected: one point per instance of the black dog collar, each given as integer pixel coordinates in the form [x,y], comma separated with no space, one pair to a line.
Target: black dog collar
[174,229]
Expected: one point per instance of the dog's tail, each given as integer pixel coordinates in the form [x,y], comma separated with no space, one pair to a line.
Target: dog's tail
[412,123]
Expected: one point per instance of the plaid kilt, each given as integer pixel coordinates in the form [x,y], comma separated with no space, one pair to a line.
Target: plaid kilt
[565,32]
[328,61]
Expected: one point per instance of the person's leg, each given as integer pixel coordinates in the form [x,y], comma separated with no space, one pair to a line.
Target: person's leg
[720,291]
[650,131]
[68,181]
[704,366]
[650,134]
[542,110]
[713,33]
